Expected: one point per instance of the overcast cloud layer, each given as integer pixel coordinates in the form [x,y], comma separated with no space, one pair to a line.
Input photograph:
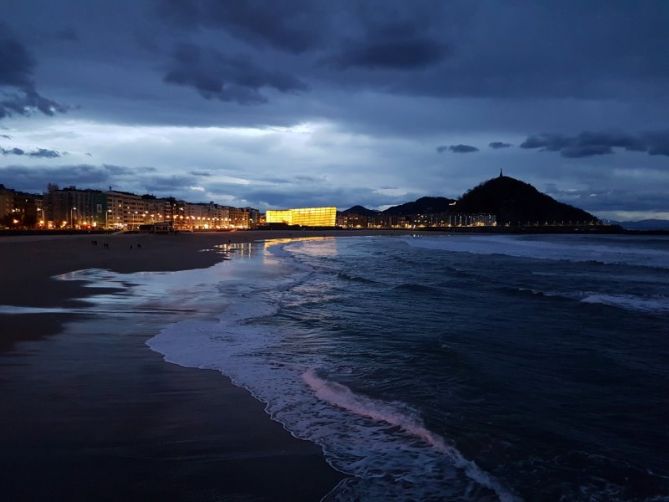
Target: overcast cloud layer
[287,103]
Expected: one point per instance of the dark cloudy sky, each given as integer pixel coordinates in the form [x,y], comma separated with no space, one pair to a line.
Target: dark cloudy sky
[287,103]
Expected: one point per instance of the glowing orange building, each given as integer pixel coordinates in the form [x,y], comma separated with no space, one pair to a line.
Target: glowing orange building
[304,216]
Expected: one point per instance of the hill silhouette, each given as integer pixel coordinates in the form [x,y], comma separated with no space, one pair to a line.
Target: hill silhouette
[516,202]
[424,205]
[644,224]
[360,211]
[511,201]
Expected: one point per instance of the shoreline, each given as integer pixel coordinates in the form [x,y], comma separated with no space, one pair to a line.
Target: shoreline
[94,413]
[13,235]
[28,264]
[601,229]
[87,422]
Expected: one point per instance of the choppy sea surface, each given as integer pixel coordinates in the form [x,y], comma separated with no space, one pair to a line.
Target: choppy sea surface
[449,367]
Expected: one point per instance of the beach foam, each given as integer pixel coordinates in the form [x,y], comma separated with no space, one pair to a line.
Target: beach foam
[385,446]
[630,302]
[648,304]
[399,416]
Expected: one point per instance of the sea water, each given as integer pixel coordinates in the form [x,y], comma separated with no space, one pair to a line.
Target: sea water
[448,367]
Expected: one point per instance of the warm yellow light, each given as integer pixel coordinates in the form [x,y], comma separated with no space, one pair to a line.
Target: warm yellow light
[304,216]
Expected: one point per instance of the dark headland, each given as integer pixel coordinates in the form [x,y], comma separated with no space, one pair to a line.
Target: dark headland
[502,205]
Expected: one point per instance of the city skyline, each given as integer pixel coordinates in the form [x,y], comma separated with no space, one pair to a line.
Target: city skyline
[288,104]
[503,200]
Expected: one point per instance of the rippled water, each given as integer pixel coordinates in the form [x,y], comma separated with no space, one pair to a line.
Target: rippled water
[437,368]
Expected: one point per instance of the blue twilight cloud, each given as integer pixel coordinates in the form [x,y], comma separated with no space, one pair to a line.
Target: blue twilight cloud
[352,92]
[496,145]
[16,76]
[587,144]
[43,153]
[457,148]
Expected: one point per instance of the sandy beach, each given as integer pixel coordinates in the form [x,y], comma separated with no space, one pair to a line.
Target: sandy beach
[93,414]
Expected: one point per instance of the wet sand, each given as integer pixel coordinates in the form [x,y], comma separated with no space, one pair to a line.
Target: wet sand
[90,413]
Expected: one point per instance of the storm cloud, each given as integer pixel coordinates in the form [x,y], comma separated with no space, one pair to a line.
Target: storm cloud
[285,24]
[36,178]
[588,144]
[142,179]
[226,78]
[43,153]
[402,54]
[18,94]
[16,65]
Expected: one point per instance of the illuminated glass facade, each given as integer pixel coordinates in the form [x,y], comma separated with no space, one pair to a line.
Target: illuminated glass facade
[304,216]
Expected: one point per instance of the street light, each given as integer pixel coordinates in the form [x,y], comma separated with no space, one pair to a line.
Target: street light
[72,216]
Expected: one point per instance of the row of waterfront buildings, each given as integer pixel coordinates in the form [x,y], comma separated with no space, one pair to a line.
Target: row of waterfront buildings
[74,208]
[427,220]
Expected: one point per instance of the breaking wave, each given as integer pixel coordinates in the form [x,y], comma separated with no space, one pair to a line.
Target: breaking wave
[366,438]
[407,420]
[658,304]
